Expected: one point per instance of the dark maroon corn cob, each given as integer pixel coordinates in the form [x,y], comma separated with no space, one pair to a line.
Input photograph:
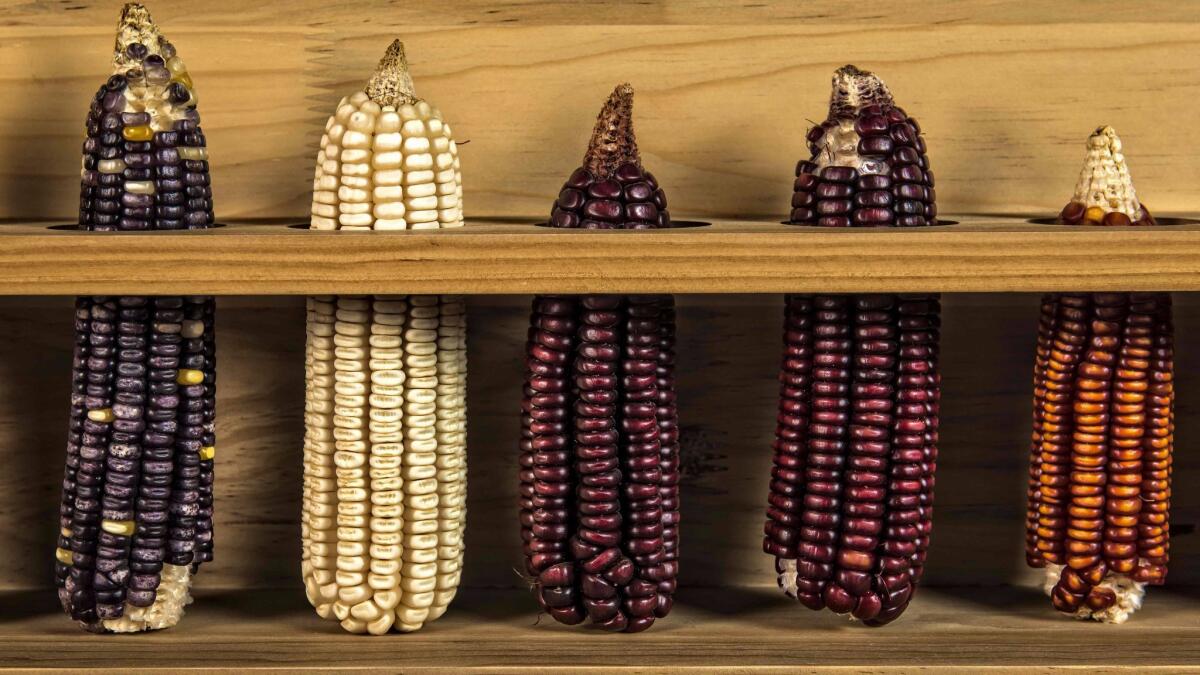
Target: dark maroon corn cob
[868,165]
[851,496]
[600,435]
[136,515]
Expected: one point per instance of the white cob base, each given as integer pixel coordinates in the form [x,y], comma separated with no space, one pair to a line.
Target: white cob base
[1130,595]
[167,609]
[787,578]
[384,503]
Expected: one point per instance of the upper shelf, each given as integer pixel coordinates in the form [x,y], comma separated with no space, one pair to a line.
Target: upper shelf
[980,253]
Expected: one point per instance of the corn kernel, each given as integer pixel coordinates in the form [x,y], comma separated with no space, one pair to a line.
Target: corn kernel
[63,555]
[189,376]
[208,452]
[101,415]
[122,527]
[138,133]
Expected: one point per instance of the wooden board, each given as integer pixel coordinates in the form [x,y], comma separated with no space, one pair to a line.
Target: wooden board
[491,257]
[725,630]
[1006,92]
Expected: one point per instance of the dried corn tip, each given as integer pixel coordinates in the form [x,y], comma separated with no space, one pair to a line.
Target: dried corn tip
[385,463]
[612,190]
[387,160]
[1104,194]
[850,507]
[136,513]
[599,465]
[868,165]
[1103,434]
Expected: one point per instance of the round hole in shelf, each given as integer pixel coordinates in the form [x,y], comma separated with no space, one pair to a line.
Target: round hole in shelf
[675,225]
[1164,221]
[940,223]
[74,227]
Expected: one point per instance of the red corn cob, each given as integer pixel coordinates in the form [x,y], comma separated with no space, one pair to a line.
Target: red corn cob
[851,497]
[599,447]
[1103,423]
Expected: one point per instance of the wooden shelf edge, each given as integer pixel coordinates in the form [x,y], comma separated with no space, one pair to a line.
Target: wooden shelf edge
[979,253]
[1008,629]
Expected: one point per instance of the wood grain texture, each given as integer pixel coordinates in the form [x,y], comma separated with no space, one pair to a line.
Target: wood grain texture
[1006,91]
[728,359]
[730,630]
[614,12]
[489,257]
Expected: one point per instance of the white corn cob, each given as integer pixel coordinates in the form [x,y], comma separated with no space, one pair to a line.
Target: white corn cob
[384,504]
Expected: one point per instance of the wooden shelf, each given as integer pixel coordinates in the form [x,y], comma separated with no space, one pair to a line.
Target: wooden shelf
[981,253]
[1011,629]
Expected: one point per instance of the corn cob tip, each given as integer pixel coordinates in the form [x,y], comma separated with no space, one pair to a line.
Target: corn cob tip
[855,89]
[1127,596]
[392,83]
[1104,194]
[135,15]
[613,143]
[136,26]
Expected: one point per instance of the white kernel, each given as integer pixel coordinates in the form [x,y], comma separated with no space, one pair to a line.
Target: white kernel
[418,162]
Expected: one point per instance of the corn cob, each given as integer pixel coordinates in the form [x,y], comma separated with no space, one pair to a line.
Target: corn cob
[599,463]
[868,164]
[851,495]
[136,515]
[1103,422]
[384,503]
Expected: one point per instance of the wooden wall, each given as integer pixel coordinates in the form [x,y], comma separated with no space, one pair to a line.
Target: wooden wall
[1007,91]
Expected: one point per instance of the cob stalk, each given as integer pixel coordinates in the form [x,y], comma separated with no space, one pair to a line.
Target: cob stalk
[599,464]
[136,515]
[850,507]
[384,496]
[1103,422]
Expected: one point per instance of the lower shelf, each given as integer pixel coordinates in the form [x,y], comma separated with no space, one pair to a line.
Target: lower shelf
[1012,629]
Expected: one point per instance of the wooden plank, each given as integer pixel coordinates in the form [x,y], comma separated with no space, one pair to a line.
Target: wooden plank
[712,630]
[489,257]
[613,12]
[724,93]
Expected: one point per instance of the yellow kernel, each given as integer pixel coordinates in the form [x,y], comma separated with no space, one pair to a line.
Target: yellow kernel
[121,527]
[189,376]
[63,555]
[102,415]
[140,132]
[208,452]
[66,531]
[193,153]
[1094,214]
[184,79]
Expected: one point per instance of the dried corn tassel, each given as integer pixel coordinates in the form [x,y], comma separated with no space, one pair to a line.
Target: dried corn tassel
[851,497]
[1103,422]
[384,503]
[600,438]
[136,516]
